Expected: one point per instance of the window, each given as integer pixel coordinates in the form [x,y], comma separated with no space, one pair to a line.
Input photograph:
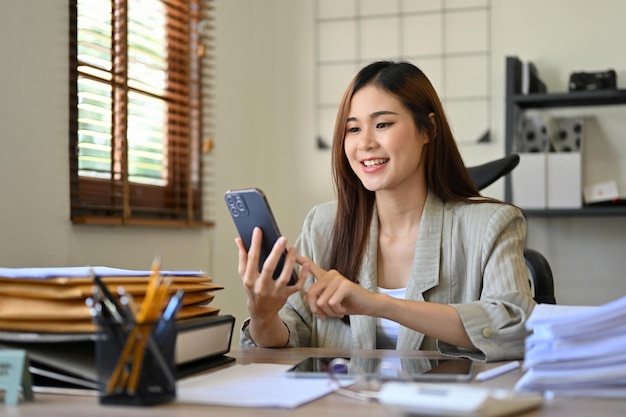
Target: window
[136,107]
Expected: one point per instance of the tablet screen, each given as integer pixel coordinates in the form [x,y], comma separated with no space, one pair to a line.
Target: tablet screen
[412,369]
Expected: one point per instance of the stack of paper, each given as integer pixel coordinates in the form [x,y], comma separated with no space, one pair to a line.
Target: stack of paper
[52,300]
[577,350]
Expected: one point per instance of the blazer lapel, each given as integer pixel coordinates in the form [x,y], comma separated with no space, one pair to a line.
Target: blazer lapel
[364,327]
[426,265]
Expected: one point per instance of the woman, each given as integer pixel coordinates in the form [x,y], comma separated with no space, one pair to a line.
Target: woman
[409,256]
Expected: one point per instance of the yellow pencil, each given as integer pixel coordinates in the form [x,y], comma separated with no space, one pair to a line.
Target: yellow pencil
[132,350]
[150,310]
[146,326]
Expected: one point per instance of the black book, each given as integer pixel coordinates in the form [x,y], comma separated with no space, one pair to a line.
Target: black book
[66,362]
[531,83]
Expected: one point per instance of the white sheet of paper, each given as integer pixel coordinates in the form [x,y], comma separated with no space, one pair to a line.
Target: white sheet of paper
[252,385]
[83,271]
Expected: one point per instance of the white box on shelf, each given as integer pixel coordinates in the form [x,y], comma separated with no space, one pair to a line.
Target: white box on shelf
[600,192]
[529,181]
[564,180]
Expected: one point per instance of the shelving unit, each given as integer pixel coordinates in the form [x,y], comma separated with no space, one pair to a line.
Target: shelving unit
[517,103]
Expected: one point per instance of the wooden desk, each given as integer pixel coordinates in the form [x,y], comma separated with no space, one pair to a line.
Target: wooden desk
[48,405]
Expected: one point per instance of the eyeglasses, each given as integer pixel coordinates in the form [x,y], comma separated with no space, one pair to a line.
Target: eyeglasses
[365,384]
[362,378]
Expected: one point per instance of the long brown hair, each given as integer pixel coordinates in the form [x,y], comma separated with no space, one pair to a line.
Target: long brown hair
[446,175]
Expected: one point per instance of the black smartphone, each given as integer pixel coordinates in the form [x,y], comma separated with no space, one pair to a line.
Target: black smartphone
[249,208]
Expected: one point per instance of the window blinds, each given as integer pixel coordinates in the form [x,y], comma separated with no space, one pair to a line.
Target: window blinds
[136,106]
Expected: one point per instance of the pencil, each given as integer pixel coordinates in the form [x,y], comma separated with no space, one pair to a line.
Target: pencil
[151,308]
[130,351]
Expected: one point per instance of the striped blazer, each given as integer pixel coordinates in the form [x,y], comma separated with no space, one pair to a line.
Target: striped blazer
[470,256]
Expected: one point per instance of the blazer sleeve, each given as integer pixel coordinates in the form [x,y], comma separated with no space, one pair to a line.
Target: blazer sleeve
[495,322]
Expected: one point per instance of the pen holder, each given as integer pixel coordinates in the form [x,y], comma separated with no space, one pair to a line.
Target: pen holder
[135,362]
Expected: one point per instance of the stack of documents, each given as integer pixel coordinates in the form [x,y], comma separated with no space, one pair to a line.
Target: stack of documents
[52,300]
[577,350]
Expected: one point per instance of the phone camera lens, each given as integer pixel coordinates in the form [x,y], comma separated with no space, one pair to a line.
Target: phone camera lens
[234,211]
[240,205]
[230,201]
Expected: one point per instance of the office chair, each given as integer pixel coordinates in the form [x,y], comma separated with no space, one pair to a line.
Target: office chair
[488,173]
[542,283]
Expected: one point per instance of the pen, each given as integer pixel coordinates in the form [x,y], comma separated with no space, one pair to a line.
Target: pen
[107,298]
[169,314]
[497,371]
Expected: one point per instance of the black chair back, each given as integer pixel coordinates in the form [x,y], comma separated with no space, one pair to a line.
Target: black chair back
[488,173]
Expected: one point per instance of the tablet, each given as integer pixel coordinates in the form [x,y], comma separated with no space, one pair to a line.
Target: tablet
[387,369]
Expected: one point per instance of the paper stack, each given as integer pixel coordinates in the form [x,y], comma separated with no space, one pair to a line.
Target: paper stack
[576,350]
[52,313]
[52,300]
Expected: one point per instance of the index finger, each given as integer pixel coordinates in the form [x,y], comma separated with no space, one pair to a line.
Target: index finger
[313,268]
[254,251]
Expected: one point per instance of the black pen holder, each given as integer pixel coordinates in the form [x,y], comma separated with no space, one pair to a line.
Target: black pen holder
[152,350]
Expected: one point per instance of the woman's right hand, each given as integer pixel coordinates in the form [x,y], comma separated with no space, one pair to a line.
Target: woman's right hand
[267,295]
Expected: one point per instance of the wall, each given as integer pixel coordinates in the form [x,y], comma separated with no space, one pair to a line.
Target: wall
[264,138]
[263,124]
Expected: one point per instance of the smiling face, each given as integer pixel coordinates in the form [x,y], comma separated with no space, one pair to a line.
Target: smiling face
[382,143]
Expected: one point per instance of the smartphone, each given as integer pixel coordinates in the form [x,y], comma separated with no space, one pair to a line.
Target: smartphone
[387,369]
[249,208]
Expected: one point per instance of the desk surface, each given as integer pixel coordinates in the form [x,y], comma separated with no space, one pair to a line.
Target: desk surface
[47,405]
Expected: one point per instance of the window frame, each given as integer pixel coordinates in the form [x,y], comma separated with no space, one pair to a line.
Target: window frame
[116,200]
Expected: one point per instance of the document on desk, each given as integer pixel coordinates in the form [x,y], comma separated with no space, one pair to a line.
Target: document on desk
[576,350]
[252,385]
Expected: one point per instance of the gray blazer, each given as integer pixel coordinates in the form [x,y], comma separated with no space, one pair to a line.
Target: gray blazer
[470,256]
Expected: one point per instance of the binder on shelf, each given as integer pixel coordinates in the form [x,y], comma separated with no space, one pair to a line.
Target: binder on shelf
[528,178]
[564,181]
[531,83]
[549,174]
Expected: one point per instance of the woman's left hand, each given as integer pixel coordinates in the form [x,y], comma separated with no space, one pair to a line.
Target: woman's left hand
[333,295]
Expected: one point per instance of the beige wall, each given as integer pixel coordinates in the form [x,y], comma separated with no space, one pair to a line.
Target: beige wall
[264,138]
